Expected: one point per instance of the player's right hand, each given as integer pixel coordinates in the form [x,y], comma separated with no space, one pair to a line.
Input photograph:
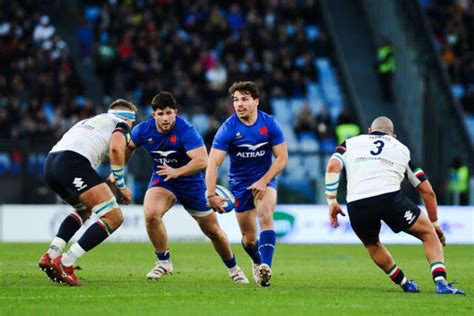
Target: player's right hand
[216,202]
[334,210]
[441,235]
[125,195]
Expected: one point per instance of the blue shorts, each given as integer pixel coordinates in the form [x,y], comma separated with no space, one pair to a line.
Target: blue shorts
[191,194]
[244,196]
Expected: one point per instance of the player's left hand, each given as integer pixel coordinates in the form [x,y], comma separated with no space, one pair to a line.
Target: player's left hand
[167,172]
[334,210]
[258,189]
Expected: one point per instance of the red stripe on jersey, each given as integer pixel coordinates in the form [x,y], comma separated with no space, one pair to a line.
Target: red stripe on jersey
[341,148]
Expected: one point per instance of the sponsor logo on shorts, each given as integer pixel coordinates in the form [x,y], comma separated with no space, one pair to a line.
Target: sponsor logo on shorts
[79,184]
[409,216]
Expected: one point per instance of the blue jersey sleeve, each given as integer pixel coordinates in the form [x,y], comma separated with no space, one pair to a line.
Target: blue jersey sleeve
[192,139]
[222,139]
[276,133]
[136,135]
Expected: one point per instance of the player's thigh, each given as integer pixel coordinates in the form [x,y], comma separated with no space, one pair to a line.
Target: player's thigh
[247,223]
[99,199]
[365,222]
[421,227]
[157,202]
[70,175]
[266,206]
[400,213]
[208,224]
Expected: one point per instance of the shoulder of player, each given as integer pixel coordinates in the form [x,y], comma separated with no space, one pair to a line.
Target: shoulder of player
[182,125]
[144,124]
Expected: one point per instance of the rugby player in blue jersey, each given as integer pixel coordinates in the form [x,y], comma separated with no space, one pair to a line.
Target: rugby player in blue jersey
[179,158]
[251,138]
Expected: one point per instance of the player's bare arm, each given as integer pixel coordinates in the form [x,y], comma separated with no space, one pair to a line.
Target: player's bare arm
[216,157]
[333,171]
[431,205]
[197,163]
[281,159]
[117,146]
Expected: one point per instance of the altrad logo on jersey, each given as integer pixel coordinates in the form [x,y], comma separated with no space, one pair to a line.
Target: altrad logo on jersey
[164,156]
[253,153]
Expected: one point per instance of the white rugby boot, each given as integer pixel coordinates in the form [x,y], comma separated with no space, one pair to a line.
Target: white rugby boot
[162,268]
[238,276]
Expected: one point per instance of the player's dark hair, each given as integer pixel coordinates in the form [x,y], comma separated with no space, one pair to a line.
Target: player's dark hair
[246,87]
[163,100]
[121,104]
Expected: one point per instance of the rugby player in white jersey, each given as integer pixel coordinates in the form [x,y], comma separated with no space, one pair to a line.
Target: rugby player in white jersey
[70,170]
[375,166]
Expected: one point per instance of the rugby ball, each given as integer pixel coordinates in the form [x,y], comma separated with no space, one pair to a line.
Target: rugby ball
[225,193]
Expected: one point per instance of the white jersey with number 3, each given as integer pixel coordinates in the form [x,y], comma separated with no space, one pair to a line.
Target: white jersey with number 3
[90,138]
[375,164]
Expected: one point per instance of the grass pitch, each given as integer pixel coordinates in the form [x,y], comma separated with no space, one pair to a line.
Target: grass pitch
[307,280]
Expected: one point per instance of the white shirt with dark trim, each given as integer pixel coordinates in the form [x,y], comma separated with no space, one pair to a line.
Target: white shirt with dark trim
[90,137]
[376,164]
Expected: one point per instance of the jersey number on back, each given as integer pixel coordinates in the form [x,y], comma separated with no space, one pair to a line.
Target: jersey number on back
[379,147]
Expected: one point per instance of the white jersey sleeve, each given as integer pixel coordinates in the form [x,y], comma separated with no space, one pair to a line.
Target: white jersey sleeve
[375,164]
[90,138]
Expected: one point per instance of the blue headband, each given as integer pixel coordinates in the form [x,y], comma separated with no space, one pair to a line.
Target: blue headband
[129,115]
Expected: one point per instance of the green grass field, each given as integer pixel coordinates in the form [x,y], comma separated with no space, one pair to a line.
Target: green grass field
[307,280]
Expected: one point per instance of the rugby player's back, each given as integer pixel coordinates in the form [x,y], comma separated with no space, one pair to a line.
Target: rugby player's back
[90,137]
[375,164]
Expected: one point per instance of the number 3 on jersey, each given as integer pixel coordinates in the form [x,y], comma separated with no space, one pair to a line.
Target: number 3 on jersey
[379,146]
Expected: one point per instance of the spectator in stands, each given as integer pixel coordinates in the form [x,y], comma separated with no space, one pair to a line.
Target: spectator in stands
[458,182]
[44,30]
[386,68]
[106,61]
[305,124]
[346,126]
[85,37]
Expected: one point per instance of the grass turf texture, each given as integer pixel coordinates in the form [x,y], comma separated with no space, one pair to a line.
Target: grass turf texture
[307,280]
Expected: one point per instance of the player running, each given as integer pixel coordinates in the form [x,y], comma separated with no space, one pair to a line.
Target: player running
[179,156]
[70,170]
[251,138]
[376,165]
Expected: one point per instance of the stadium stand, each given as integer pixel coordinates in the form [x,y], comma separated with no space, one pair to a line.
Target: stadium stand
[196,49]
[452,23]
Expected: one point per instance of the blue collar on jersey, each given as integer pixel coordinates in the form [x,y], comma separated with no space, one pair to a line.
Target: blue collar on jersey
[129,115]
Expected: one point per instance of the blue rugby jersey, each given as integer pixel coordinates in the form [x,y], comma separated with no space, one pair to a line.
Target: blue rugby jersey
[249,147]
[169,147]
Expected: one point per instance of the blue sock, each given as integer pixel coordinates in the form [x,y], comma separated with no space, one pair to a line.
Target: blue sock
[253,252]
[163,255]
[230,263]
[69,227]
[267,246]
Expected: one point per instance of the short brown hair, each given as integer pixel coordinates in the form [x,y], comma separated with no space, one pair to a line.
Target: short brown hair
[121,104]
[163,100]
[247,87]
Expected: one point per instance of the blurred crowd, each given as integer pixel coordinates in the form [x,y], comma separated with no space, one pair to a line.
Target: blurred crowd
[452,22]
[38,81]
[195,49]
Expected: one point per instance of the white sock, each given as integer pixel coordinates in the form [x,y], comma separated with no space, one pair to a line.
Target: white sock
[74,253]
[56,247]
[405,280]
